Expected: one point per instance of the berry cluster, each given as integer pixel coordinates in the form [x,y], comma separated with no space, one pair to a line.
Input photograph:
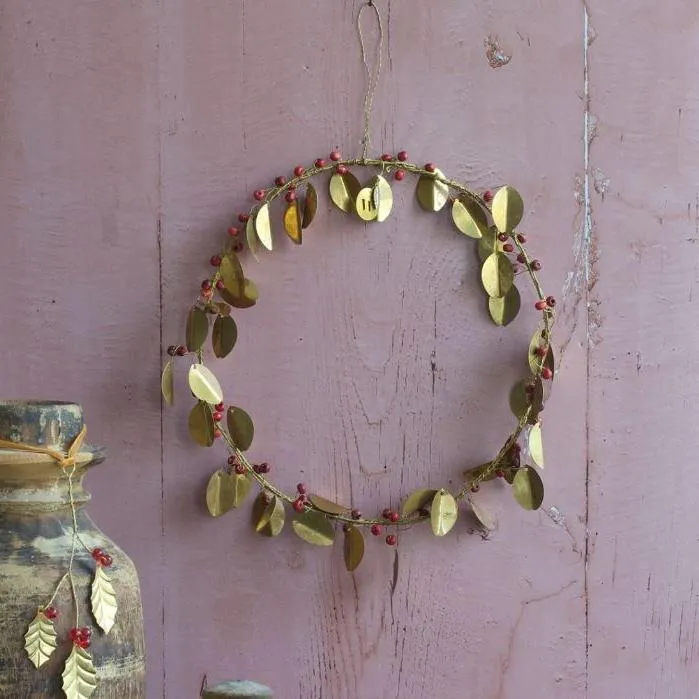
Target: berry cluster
[81,636]
[102,558]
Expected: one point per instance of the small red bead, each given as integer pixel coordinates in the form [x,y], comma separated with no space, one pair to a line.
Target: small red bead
[508,247]
[546,373]
[540,305]
[356,514]
[240,469]
[106,560]
[475,488]
[218,416]
[298,505]
[280,181]
[400,175]
[215,260]
[402,156]
[237,246]
[393,516]
[220,285]
[84,643]
[500,474]
[97,553]
[232,460]
[172,350]
[536,265]
[298,171]
[259,194]
[430,167]
[217,434]
[387,157]
[521,258]
[320,162]
[503,237]
[376,529]
[386,512]
[521,238]
[541,351]
[341,169]
[181,351]
[50,612]
[206,285]
[301,488]
[219,406]
[233,231]
[74,634]
[391,539]
[243,218]
[335,155]
[290,196]
[487,196]
[264,468]
[551,301]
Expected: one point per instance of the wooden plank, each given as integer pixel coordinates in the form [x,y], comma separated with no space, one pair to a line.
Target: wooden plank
[643,493]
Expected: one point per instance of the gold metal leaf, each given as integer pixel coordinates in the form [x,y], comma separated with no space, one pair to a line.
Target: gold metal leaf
[497,275]
[444,512]
[40,640]
[79,676]
[521,398]
[103,600]
[507,208]
[224,336]
[431,193]
[246,299]
[268,515]
[263,226]
[201,425]
[204,385]
[344,190]
[310,206]
[540,339]
[232,274]
[292,222]
[528,488]
[485,519]
[383,198]
[536,445]
[223,309]
[418,500]
[252,239]
[167,384]
[504,310]
[240,427]
[197,329]
[365,204]
[469,218]
[489,244]
[354,548]
[226,491]
[328,505]
[314,528]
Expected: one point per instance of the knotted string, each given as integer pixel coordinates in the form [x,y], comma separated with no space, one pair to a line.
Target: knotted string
[65,461]
[372,77]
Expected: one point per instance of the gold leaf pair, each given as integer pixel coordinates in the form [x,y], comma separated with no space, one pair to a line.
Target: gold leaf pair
[268,515]
[226,491]
[373,202]
[298,217]
[314,528]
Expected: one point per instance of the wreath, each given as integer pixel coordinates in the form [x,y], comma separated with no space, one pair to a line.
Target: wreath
[491,220]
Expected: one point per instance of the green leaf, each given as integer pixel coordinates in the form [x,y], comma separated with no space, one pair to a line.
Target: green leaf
[197,329]
[528,488]
[240,427]
[314,528]
[224,336]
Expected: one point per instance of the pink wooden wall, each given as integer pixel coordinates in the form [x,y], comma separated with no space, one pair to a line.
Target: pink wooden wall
[131,133]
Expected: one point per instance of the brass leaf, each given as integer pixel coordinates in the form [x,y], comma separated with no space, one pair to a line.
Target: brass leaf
[268,515]
[469,217]
[310,206]
[344,190]
[263,226]
[365,204]
[201,425]
[328,505]
[431,193]
[528,488]
[223,309]
[536,445]
[167,384]
[292,222]
[507,209]
[314,528]
[504,310]
[226,491]
[240,427]
[224,336]
[79,676]
[521,398]
[497,275]
[383,198]
[246,299]
[204,385]
[103,600]
[252,239]
[485,519]
[232,274]
[40,640]
[197,329]
[536,363]
[354,548]
[418,500]
[489,244]
[443,512]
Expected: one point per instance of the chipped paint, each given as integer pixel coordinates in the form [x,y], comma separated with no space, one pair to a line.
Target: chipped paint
[497,58]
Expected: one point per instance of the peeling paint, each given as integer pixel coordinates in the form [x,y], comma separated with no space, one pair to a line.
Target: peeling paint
[497,58]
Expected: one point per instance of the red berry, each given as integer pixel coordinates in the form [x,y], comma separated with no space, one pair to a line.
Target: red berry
[220,285]
[74,634]
[376,529]
[391,539]
[500,474]
[217,416]
[171,350]
[298,171]
[233,231]
[521,238]
[298,505]
[536,265]
[430,167]
[475,488]
[243,218]
[237,246]
[508,247]
[386,512]
[97,553]
[301,488]
[280,181]
[335,155]
[487,196]
[259,194]
[402,156]
[215,260]
[290,196]
[356,514]
[540,305]
[206,285]
[400,175]
[541,351]
[84,643]
[341,169]
[217,434]
[219,406]
[232,460]
[240,469]
[320,162]
[521,258]
[50,612]
[393,516]
[546,373]
[106,560]
[503,237]
[387,157]
[551,301]
[181,351]
[263,468]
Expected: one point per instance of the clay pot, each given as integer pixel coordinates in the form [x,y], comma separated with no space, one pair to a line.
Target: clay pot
[35,548]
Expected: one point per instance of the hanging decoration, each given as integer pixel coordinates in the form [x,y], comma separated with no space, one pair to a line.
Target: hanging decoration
[360,188]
